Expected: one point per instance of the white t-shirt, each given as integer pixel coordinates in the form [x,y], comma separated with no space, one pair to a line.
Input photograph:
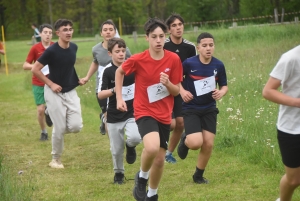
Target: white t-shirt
[288,71]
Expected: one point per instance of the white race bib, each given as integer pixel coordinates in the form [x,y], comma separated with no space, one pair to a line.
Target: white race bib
[45,70]
[205,86]
[128,92]
[157,92]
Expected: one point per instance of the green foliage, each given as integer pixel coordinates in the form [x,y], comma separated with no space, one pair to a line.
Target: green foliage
[88,15]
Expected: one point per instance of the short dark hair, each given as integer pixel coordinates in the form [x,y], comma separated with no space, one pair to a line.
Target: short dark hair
[115,41]
[108,22]
[172,18]
[62,22]
[204,35]
[45,26]
[153,23]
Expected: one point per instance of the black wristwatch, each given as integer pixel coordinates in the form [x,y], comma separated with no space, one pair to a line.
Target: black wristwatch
[112,90]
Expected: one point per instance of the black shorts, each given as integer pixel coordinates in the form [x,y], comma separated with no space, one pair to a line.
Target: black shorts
[177,108]
[148,124]
[289,146]
[197,120]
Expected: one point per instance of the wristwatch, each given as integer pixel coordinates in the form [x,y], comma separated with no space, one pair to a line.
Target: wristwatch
[112,90]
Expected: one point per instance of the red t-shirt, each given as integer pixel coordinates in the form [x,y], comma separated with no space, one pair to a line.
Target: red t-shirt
[35,52]
[147,72]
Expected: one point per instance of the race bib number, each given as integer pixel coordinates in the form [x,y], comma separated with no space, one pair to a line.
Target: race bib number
[157,92]
[205,86]
[128,92]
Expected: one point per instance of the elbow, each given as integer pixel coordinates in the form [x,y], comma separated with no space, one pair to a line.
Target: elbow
[100,97]
[265,93]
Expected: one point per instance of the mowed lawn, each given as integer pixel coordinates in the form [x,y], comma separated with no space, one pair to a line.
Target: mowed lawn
[245,164]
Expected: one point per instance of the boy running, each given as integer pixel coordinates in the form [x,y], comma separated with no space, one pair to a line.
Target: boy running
[37,85]
[158,73]
[199,93]
[287,74]
[184,49]
[101,59]
[63,103]
[117,121]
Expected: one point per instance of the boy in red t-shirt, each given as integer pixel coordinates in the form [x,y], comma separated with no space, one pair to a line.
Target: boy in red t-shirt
[158,73]
[37,85]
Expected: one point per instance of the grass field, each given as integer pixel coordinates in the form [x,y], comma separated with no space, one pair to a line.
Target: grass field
[245,164]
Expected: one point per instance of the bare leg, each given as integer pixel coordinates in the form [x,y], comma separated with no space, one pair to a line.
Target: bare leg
[289,182]
[41,116]
[175,137]
[157,169]
[206,149]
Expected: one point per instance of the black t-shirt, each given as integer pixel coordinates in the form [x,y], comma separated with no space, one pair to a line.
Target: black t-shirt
[61,65]
[184,50]
[108,81]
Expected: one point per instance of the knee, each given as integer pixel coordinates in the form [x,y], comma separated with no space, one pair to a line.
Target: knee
[133,141]
[75,128]
[193,144]
[152,151]
[159,162]
[294,182]
[208,146]
[41,110]
[179,124]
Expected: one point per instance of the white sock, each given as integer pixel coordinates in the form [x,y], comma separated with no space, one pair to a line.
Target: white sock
[44,131]
[151,192]
[168,153]
[144,175]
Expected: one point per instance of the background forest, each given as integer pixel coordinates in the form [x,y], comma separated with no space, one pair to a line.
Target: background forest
[17,15]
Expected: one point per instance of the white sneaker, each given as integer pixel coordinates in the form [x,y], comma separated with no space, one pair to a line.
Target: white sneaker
[56,163]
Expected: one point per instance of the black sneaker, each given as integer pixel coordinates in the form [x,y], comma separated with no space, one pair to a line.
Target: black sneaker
[139,190]
[200,180]
[47,118]
[130,154]
[119,178]
[152,198]
[44,137]
[102,125]
[182,149]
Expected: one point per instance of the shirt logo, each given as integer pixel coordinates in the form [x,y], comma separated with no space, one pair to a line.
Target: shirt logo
[193,71]
[215,72]
[167,70]
[177,50]
[112,81]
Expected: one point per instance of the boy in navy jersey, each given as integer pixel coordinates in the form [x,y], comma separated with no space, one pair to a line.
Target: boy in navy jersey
[199,93]
[184,49]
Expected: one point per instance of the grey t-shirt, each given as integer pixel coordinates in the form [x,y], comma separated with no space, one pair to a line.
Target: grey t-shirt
[101,57]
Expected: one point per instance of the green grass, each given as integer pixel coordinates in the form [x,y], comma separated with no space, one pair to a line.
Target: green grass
[245,164]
